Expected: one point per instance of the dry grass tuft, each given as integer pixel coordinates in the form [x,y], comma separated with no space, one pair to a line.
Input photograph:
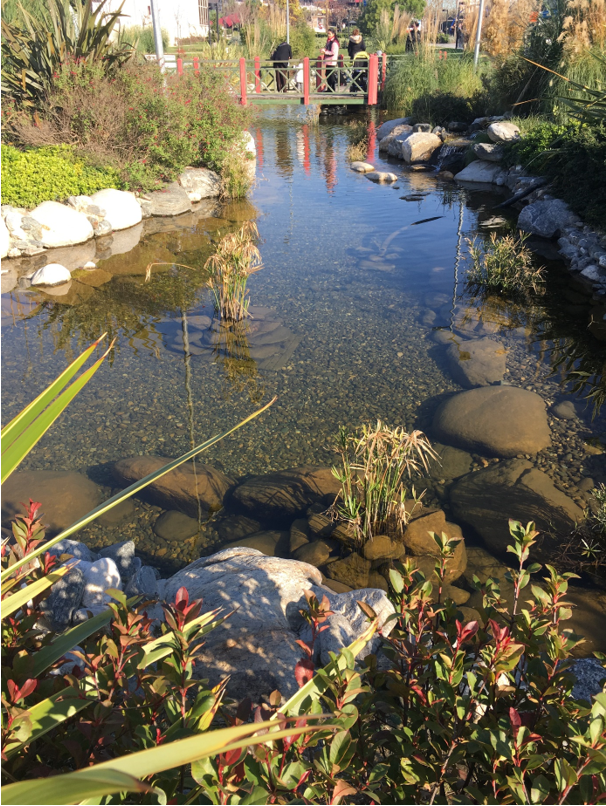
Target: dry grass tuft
[236,258]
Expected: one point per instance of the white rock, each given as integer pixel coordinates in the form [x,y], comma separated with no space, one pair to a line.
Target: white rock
[13,221]
[98,577]
[381,176]
[503,131]
[61,225]
[122,209]
[546,218]
[4,239]
[89,265]
[419,146]
[248,142]
[480,171]
[362,167]
[52,274]
[200,183]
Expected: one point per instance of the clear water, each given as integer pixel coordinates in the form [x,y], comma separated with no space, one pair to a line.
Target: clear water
[359,277]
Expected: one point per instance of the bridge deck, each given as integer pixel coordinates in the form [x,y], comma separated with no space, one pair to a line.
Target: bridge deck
[341,99]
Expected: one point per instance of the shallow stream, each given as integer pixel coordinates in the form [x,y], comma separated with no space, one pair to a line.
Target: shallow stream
[359,276]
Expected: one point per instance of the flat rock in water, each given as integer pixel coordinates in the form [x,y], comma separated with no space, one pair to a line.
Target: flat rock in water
[122,512]
[389,127]
[451,462]
[286,493]
[93,277]
[481,172]
[381,176]
[494,420]
[65,496]
[477,362]
[180,489]
[171,200]
[299,534]
[362,167]
[486,499]
[175,526]
[234,527]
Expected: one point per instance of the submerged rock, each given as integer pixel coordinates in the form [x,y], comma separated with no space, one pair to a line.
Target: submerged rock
[486,499]
[286,493]
[65,496]
[494,420]
[180,489]
[176,526]
[272,543]
[477,362]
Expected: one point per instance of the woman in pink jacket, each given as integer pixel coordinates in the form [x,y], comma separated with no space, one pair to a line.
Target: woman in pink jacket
[330,57]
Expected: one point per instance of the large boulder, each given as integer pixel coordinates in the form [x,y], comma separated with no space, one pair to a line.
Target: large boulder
[494,420]
[61,225]
[4,239]
[478,171]
[65,496]
[503,131]
[256,646]
[388,127]
[395,141]
[490,152]
[477,362]
[285,494]
[419,147]
[486,499]
[180,489]
[122,209]
[171,200]
[546,218]
[51,274]
[200,183]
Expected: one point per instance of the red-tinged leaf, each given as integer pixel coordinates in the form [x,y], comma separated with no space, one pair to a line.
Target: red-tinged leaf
[516,721]
[305,647]
[27,688]
[304,671]
[303,778]
[341,790]
[182,598]
[469,631]
[13,690]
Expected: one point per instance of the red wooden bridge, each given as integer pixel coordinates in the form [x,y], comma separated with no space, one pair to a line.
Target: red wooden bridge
[308,81]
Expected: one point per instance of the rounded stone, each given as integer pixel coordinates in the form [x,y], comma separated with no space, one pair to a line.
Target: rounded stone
[61,225]
[503,131]
[122,209]
[477,362]
[175,526]
[383,547]
[272,543]
[51,274]
[565,410]
[362,167]
[494,420]
[316,553]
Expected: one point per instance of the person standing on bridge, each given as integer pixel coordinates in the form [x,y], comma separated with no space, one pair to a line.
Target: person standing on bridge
[355,44]
[280,58]
[330,56]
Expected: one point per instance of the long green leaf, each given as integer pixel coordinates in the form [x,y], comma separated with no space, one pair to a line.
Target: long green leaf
[132,490]
[23,444]
[49,713]
[18,424]
[161,647]
[88,784]
[317,685]
[19,599]
[68,788]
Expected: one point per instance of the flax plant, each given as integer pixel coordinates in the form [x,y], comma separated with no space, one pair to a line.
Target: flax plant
[375,464]
[236,258]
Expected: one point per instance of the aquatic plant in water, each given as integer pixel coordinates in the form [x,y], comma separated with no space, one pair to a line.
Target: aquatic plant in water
[375,462]
[505,264]
[236,258]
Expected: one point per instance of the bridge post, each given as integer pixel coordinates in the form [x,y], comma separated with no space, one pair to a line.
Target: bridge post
[243,99]
[180,67]
[373,79]
[383,70]
[257,74]
[306,81]
[196,66]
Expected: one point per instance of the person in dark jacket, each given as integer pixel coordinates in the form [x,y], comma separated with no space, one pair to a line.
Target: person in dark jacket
[280,58]
[356,43]
[359,75]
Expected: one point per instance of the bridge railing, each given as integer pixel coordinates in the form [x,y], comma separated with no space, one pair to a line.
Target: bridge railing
[254,80]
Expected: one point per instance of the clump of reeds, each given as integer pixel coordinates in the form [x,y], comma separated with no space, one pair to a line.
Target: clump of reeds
[358,151]
[236,258]
[505,265]
[376,462]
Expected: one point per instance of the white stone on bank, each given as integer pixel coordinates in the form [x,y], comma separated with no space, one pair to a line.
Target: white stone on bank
[61,225]
[122,209]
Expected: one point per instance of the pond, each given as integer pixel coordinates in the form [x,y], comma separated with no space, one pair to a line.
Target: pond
[360,281]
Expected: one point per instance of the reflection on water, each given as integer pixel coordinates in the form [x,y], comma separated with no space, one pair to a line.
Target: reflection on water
[344,324]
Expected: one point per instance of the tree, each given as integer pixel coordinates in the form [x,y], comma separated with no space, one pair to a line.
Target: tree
[371,16]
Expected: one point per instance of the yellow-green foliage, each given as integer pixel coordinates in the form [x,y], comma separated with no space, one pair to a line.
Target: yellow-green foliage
[35,175]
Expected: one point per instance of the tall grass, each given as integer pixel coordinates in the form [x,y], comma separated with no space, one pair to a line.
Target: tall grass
[504,265]
[376,463]
[236,258]
[142,37]
[413,80]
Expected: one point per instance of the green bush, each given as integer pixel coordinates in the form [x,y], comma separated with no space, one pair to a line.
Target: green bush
[32,176]
[572,156]
[302,39]
[143,38]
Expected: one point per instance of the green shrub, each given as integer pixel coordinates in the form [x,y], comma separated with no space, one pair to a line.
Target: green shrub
[142,37]
[35,175]
[302,40]
[504,265]
[573,157]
